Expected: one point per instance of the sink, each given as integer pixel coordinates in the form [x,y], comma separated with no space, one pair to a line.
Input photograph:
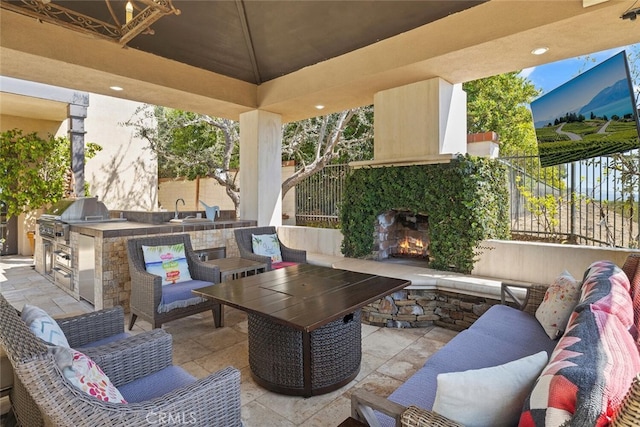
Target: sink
[190,220]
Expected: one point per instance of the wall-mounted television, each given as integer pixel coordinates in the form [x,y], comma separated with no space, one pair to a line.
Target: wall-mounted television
[593,114]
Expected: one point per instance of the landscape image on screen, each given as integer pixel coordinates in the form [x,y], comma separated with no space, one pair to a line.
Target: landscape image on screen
[593,114]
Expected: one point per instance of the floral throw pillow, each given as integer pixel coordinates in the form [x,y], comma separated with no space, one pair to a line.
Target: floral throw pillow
[86,375]
[267,245]
[558,304]
[168,262]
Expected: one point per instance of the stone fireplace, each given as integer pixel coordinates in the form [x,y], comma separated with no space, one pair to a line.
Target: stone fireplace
[401,234]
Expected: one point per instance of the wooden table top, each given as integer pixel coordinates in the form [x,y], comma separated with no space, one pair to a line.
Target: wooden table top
[304,296]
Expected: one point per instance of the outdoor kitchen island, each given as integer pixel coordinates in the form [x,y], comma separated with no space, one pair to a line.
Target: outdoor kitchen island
[111,281]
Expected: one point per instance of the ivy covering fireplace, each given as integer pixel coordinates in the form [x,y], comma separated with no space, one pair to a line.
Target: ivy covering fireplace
[466,201]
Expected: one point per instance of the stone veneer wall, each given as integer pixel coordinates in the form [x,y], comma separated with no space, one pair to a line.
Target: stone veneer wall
[421,308]
[113,266]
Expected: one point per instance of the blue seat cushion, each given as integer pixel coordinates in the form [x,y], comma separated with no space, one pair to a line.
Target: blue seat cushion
[180,295]
[156,384]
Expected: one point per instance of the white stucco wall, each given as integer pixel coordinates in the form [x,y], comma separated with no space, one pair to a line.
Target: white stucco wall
[123,175]
[541,262]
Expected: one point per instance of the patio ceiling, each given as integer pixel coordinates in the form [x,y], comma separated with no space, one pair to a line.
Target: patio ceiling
[227,57]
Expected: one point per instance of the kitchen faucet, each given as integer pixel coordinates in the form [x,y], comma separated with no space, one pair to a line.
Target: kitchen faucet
[183,203]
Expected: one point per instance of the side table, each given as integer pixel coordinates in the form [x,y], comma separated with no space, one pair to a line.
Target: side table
[234,268]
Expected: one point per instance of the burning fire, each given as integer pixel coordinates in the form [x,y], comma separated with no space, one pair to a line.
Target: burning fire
[411,246]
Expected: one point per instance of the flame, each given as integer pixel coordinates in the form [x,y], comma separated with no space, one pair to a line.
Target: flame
[416,247]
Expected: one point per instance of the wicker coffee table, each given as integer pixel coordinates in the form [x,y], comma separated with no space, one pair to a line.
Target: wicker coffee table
[304,324]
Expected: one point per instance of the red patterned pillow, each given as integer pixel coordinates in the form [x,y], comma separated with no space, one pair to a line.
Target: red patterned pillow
[588,374]
[606,288]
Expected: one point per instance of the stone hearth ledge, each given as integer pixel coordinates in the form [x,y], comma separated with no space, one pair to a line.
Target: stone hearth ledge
[421,278]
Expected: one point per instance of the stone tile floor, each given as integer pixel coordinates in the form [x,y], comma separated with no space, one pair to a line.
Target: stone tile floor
[389,357]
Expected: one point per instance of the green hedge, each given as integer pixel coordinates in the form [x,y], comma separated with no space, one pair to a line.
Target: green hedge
[466,201]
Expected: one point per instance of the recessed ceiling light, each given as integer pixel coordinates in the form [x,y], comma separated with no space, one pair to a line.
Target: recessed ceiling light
[319,106]
[116,88]
[540,50]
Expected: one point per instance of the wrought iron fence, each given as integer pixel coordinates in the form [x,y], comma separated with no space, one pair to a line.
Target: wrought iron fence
[583,202]
[591,202]
[318,197]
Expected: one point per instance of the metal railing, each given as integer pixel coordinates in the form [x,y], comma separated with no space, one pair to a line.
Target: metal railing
[582,202]
[318,197]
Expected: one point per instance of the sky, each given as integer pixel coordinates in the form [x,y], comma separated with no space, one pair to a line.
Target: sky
[549,76]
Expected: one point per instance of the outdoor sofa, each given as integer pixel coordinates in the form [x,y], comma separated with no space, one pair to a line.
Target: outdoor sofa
[509,369]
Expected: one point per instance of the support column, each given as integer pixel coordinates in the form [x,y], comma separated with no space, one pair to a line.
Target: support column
[77,114]
[260,167]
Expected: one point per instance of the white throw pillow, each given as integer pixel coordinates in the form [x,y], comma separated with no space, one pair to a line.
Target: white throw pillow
[559,301]
[490,396]
[267,245]
[168,262]
[43,326]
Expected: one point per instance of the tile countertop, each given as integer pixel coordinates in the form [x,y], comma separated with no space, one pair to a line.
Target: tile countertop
[132,228]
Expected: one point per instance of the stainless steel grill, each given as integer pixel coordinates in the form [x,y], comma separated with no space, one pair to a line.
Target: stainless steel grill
[54,224]
[57,252]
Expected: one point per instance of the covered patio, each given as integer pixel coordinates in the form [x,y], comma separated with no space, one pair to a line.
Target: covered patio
[243,60]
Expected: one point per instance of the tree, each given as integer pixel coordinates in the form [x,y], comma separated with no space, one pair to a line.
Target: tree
[191,145]
[499,104]
[34,170]
[316,142]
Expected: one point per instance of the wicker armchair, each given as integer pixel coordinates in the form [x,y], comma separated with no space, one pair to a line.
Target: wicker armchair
[212,401]
[243,239]
[90,332]
[146,288]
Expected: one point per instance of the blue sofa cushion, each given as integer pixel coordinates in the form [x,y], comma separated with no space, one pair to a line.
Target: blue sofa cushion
[180,295]
[156,384]
[500,335]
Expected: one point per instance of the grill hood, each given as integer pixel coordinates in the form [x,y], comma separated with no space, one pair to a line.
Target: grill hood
[82,209]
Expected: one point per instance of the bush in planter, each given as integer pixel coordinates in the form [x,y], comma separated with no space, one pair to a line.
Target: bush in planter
[33,170]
